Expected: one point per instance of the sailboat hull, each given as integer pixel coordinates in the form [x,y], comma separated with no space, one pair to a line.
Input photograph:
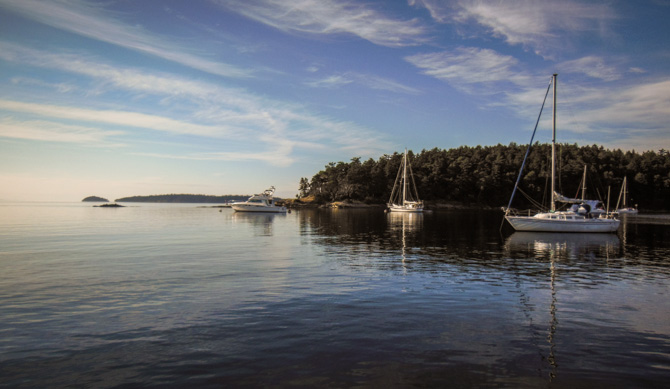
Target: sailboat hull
[533,224]
[404,208]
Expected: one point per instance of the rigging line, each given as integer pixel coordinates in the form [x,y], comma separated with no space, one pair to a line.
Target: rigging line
[516,185]
[533,202]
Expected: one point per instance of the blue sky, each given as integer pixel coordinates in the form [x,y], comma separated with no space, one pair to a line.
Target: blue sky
[120,98]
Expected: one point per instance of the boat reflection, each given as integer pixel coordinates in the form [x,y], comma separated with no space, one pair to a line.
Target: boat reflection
[568,246]
[556,248]
[405,222]
[262,222]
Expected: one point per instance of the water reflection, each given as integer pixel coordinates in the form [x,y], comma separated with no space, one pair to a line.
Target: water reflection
[567,246]
[556,248]
[262,222]
[404,222]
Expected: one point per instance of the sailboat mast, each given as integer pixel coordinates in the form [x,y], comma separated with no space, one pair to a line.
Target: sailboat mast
[553,150]
[404,177]
[625,191]
[584,184]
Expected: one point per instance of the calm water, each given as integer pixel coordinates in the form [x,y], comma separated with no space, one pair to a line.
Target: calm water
[179,295]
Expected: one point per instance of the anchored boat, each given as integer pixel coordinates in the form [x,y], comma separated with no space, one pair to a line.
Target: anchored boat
[577,219]
[263,202]
[404,196]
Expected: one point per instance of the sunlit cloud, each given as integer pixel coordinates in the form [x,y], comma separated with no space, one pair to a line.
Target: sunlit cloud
[61,87]
[467,67]
[122,118]
[365,80]
[537,25]
[331,17]
[637,105]
[591,66]
[621,116]
[50,131]
[206,109]
[334,81]
[93,22]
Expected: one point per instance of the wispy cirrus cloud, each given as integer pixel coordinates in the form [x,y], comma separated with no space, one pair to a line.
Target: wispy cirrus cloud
[49,131]
[120,118]
[591,66]
[207,110]
[331,17]
[537,25]
[93,22]
[469,67]
[636,105]
[365,80]
[633,115]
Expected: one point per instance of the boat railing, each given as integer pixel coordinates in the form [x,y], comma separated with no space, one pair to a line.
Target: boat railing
[520,212]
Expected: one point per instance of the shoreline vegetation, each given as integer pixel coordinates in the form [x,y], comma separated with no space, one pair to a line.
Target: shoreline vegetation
[484,176]
[480,177]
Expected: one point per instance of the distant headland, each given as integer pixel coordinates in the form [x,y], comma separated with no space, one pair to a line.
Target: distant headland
[182,198]
[96,199]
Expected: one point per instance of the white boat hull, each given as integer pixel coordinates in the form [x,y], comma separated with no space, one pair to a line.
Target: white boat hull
[627,211]
[533,224]
[406,209]
[257,208]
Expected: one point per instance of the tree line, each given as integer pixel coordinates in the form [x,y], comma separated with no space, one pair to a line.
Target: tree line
[486,175]
[181,198]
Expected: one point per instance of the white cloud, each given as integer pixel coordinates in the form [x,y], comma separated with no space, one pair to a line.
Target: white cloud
[634,106]
[206,109]
[55,132]
[538,25]
[467,66]
[333,81]
[618,116]
[119,118]
[366,80]
[92,22]
[592,66]
[331,17]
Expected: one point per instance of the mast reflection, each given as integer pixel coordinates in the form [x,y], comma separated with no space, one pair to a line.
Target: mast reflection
[405,222]
[559,247]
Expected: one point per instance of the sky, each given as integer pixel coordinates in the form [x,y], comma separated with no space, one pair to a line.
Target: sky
[120,98]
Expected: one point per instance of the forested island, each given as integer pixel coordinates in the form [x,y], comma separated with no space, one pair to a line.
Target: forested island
[485,175]
[95,199]
[182,198]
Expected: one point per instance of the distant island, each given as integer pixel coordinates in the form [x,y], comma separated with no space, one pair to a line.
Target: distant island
[182,198]
[96,199]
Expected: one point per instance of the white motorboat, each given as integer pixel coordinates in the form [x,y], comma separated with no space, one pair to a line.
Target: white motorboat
[263,202]
[577,219]
[404,196]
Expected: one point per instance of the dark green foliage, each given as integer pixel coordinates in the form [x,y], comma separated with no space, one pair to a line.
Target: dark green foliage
[486,175]
[95,199]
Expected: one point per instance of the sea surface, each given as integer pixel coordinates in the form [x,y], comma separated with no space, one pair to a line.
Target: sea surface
[183,295]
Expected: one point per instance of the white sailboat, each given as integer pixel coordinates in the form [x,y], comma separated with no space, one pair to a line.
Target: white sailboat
[595,207]
[263,202]
[404,196]
[624,209]
[577,219]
